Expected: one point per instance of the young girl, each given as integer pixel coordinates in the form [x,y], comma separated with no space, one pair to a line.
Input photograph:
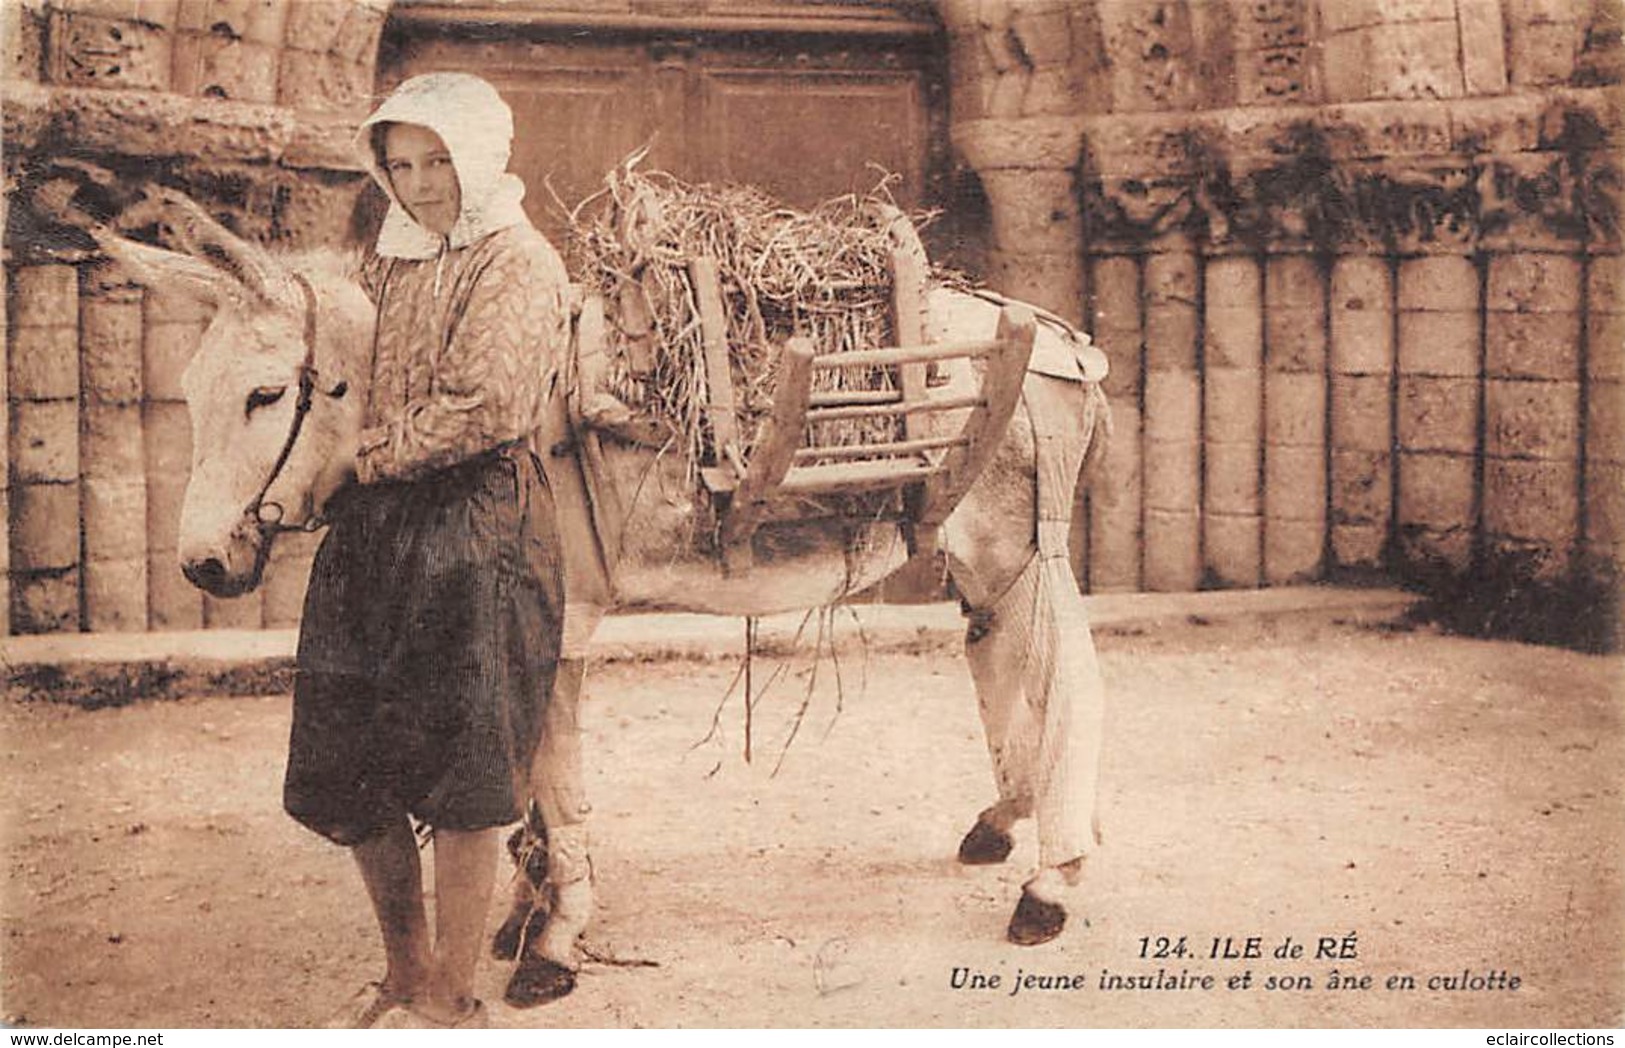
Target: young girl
[431,627]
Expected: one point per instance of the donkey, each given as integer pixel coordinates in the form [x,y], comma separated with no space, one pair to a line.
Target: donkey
[275,393]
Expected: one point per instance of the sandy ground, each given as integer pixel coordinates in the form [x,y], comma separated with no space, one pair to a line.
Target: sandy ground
[1454,805]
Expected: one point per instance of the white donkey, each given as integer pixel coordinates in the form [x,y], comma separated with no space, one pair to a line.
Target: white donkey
[275,394]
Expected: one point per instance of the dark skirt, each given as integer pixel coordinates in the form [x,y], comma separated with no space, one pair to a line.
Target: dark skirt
[427,651]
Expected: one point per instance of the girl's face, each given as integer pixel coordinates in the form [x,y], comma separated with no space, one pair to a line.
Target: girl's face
[422,175]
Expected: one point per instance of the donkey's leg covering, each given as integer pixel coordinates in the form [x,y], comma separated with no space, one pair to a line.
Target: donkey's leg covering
[558,788]
[1039,691]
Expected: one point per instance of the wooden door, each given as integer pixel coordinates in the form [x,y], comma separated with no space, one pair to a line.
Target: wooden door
[806,99]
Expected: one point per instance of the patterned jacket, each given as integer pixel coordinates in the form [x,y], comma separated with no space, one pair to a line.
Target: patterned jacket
[470,325]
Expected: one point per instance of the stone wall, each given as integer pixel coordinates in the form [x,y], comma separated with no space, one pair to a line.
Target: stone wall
[1356,264]
[248,105]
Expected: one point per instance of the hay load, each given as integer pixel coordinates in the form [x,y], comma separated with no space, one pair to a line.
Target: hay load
[823,274]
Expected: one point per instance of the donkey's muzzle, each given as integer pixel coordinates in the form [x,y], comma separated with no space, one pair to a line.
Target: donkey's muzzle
[212,577]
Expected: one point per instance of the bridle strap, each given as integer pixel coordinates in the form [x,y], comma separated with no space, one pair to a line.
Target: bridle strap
[255,510]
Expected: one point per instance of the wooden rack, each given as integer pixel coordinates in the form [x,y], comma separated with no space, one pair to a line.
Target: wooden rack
[932,472]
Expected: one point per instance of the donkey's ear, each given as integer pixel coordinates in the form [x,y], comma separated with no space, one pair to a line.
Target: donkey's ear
[169,271]
[201,236]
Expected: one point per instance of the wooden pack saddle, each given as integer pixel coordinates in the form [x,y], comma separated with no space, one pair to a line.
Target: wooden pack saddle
[931,471]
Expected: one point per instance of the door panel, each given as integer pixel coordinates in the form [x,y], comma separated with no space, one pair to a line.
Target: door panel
[813,136]
[805,115]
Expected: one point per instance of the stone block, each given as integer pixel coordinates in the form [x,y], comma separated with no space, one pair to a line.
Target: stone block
[1530,282]
[1445,344]
[1232,478]
[110,347]
[1173,406]
[22,34]
[1483,46]
[314,26]
[1170,337]
[44,441]
[1389,131]
[1498,126]
[1234,337]
[1172,278]
[172,602]
[1033,210]
[1122,349]
[1231,550]
[155,12]
[357,35]
[263,21]
[1532,345]
[1542,54]
[1275,76]
[1115,281]
[217,66]
[1114,529]
[1343,65]
[1295,483]
[1294,551]
[86,50]
[1173,551]
[1605,345]
[112,442]
[1353,14]
[168,306]
[44,296]
[1605,284]
[1359,545]
[116,595]
[1361,412]
[1438,414]
[165,496]
[1295,408]
[1414,60]
[1051,281]
[1361,284]
[1531,499]
[1361,487]
[43,363]
[168,434]
[1436,490]
[1362,342]
[1605,422]
[317,82]
[1293,282]
[235,613]
[1532,419]
[1438,283]
[115,520]
[1605,507]
[45,603]
[167,349]
[1233,405]
[1296,339]
[44,526]
[1114,551]
[1435,549]
[1173,475]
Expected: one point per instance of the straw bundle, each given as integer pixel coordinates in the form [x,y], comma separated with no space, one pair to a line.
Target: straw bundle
[823,274]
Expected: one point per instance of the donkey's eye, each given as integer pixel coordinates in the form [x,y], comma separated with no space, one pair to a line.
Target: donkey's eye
[262,397]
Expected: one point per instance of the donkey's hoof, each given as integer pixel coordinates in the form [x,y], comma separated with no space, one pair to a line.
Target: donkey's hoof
[538,980]
[520,927]
[985,845]
[1035,921]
